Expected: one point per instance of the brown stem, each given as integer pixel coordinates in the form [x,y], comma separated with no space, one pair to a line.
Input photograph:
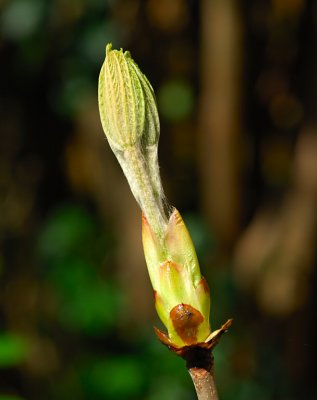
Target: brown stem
[199,363]
[204,382]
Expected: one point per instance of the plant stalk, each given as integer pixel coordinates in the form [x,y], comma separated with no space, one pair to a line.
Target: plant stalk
[199,363]
[204,383]
[135,168]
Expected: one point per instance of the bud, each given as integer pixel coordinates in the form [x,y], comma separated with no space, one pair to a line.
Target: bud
[182,296]
[126,103]
[130,121]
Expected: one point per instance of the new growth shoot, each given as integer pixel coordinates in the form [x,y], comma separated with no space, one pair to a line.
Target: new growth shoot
[130,121]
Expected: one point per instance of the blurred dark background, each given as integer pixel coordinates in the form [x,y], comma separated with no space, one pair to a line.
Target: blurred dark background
[236,86]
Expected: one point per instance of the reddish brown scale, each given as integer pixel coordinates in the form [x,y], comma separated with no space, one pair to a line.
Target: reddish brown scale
[186,320]
[204,283]
[182,351]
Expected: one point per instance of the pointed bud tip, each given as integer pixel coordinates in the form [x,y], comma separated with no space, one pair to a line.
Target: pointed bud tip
[127,54]
[146,226]
[204,285]
[108,48]
[175,217]
[144,220]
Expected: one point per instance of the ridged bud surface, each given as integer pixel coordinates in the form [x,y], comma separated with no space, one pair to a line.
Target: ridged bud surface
[126,102]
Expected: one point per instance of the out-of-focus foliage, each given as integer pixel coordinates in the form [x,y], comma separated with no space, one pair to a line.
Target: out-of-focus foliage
[9,397]
[13,350]
[236,89]
[176,100]
[70,245]
[21,18]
